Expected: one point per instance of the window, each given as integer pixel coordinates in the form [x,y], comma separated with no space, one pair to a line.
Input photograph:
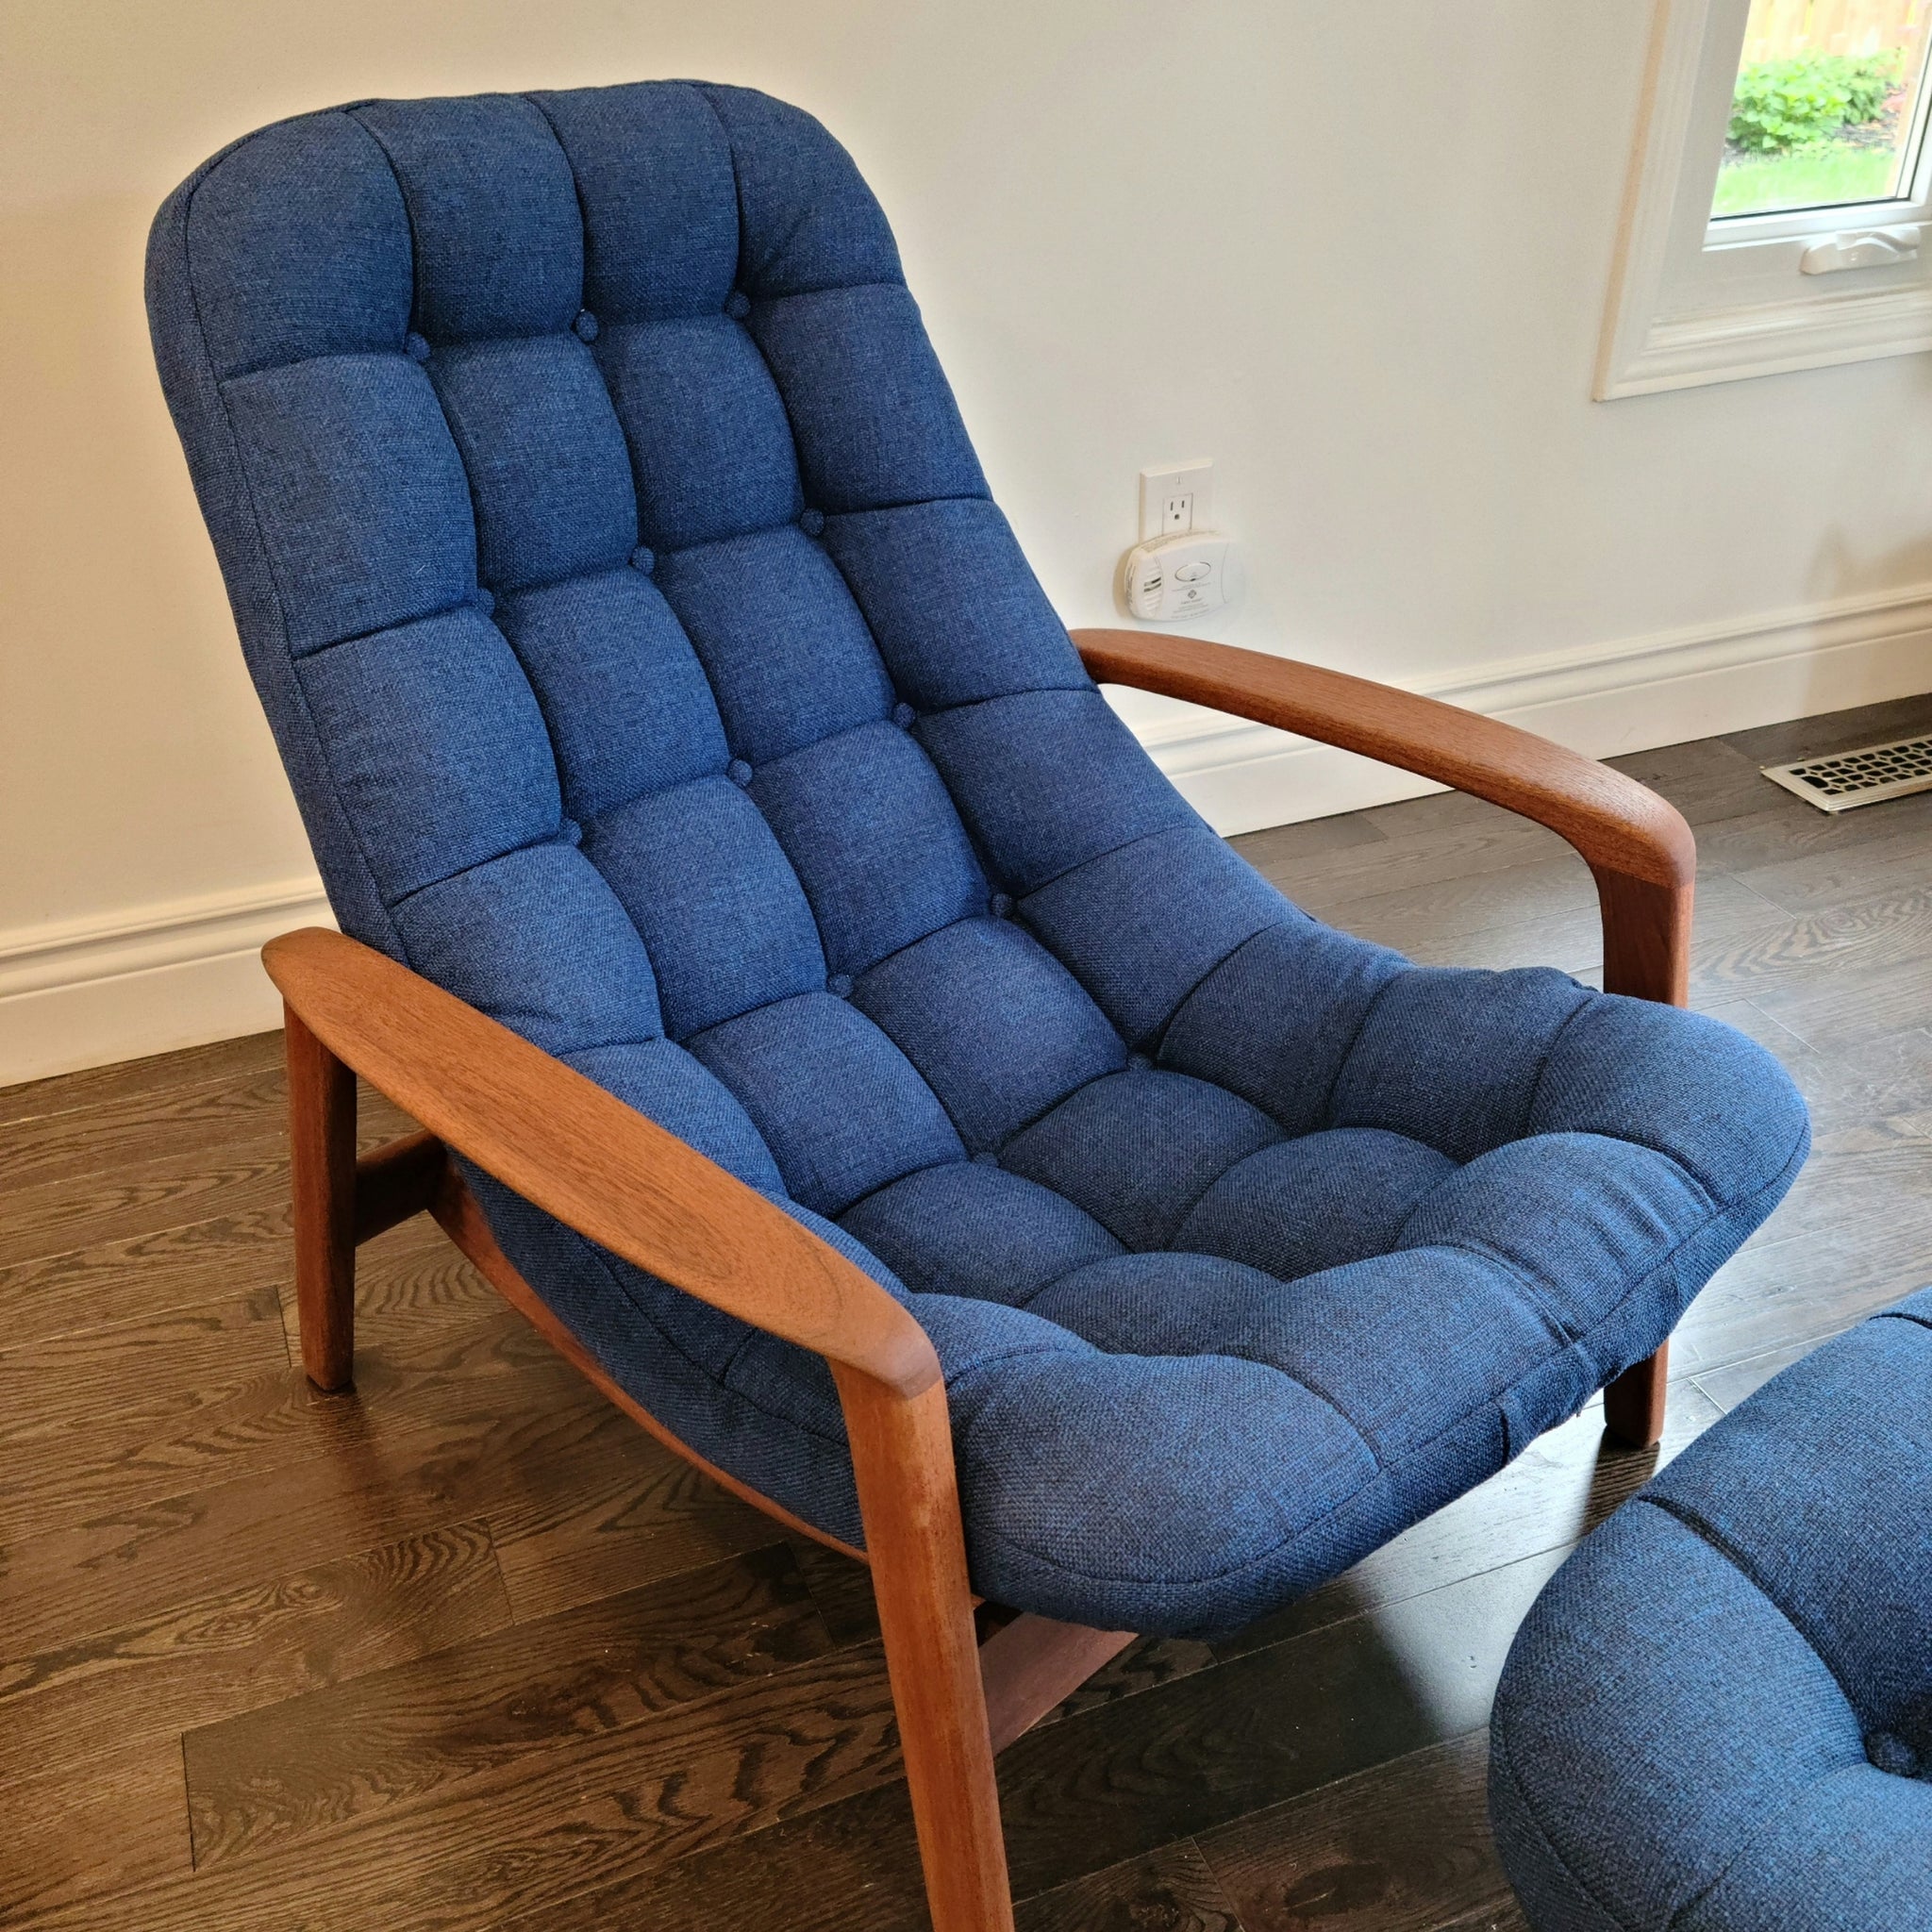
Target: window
[1825,111]
[1780,208]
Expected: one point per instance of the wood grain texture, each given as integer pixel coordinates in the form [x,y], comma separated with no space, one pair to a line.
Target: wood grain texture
[1728,1386]
[438,1349]
[902,1458]
[1417,846]
[1108,1789]
[1144,1665]
[106,1242]
[307,1763]
[102,1415]
[1033,1664]
[415,1293]
[1114,1783]
[580,1154]
[107,1088]
[162,1189]
[245,1108]
[1890,860]
[1624,830]
[1173,1889]
[1545,914]
[462,1220]
[140,1275]
[97,1388]
[162,1179]
[846,1867]
[78,1839]
[539,1450]
[396,1181]
[240,1111]
[614,1177]
[1403,1847]
[254,1647]
[649,1514]
[321,1180]
[1808,1287]
[532,1834]
[842,1587]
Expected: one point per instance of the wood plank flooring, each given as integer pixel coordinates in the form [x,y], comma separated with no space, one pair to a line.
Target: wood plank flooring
[464,1648]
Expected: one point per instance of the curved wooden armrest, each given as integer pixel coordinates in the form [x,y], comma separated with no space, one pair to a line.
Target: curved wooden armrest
[1636,843]
[599,1166]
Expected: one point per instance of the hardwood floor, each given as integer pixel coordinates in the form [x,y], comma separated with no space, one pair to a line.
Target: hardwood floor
[464,1648]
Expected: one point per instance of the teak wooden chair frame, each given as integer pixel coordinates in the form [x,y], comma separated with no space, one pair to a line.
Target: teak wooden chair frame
[586,1158]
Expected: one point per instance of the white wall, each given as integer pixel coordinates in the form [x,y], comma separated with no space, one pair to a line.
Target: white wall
[1357,255]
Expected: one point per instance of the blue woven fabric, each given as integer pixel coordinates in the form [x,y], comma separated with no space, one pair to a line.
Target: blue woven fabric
[1718,1716]
[654,671]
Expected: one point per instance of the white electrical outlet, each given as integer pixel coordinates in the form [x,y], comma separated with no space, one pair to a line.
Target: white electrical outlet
[1176,500]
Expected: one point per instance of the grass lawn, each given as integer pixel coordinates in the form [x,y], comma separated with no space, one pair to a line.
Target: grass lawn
[1817,177]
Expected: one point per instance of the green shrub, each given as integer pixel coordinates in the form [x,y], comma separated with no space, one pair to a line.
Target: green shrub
[1803,100]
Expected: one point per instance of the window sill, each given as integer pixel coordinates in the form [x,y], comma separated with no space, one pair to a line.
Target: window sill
[1767,340]
[1691,306]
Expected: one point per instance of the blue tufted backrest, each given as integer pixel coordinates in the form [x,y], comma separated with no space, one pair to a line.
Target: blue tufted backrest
[652,667]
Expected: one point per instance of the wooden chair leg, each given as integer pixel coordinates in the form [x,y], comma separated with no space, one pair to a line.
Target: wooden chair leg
[322,1153]
[1647,957]
[902,1453]
[1633,1403]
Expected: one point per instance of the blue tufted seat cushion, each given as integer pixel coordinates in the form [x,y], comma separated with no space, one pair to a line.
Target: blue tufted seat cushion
[655,672]
[1718,1717]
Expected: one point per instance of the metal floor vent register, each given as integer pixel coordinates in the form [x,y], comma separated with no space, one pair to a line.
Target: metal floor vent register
[1858,777]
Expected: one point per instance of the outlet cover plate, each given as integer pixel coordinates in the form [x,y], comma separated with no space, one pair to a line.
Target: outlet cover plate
[1161,486]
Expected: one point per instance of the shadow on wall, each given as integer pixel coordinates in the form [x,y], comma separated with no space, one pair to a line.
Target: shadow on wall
[1843,567]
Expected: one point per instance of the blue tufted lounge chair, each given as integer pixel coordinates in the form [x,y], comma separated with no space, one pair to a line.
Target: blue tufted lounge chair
[826,1023]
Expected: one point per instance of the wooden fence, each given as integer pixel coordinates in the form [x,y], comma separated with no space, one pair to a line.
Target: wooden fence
[1778,27]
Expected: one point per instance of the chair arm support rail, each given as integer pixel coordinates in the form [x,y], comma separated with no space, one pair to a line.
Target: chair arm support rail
[600,1167]
[1635,845]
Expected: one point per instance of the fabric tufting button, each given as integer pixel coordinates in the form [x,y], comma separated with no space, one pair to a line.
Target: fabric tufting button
[584,326]
[482,600]
[811,522]
[1000,906]
[571,832]
[1888,1752]
[905,717]
[987,1158]
[643,559]
[1140,1062]
[416,347]
[738,772]
[738,305]
[838,986]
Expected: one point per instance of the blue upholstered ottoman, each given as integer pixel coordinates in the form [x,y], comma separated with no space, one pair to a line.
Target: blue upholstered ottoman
[1718,1717]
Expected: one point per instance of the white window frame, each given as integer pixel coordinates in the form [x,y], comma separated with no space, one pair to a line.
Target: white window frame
[1695,301]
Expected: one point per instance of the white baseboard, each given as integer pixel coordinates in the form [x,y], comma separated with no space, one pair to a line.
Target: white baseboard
[185,973]
[179,973]
[1599,699]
